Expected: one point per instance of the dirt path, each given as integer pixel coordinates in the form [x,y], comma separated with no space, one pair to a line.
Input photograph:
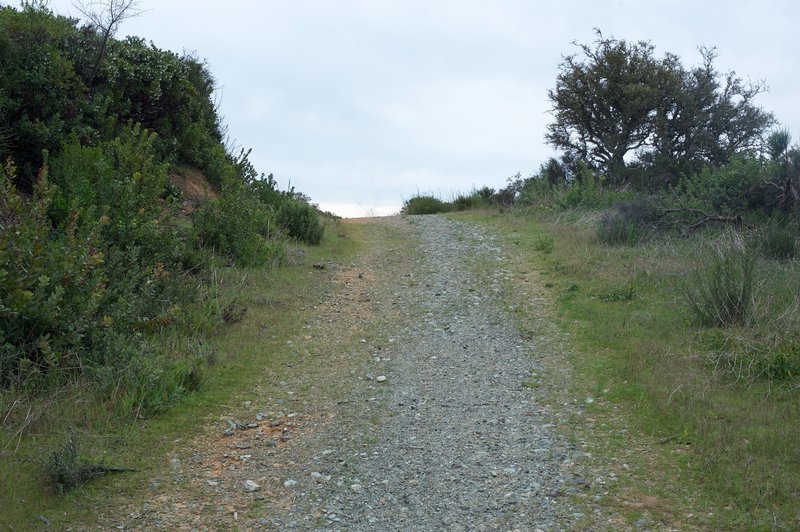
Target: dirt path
[418,413]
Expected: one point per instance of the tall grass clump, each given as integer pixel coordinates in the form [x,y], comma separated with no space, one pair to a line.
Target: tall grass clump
[425,204]
[721,293]
[778,242]
[628,222]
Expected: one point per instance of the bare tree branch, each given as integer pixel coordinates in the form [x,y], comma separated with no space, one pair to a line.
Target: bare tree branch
[106,17]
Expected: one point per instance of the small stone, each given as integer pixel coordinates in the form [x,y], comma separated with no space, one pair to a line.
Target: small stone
[275,423]
[261,416]
[381,378]
[175,463]
[357,488]
[212,483]
[252,425]
[290,483]
[228,432]
[271,443]
[319,265]
[251,486]
[589,400]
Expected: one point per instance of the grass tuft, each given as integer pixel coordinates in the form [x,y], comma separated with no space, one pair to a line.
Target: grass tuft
[721,293]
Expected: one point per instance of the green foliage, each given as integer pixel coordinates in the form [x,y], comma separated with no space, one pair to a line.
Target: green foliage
[425,204]
[615,228]
[748,355]
[618,295]
[734,188]
[64,95]
[616,98]
[536,191]
[102,276]
[544,243]
[779,241]
[629,222]
[477,199]
[722,291]
[239,227]
[300,221]
[51,286]
[590,191]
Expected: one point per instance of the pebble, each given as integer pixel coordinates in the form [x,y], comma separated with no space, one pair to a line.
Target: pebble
[381,378]
[290,483]
[251,486]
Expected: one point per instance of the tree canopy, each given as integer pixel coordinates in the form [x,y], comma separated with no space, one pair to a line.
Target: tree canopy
[617,105]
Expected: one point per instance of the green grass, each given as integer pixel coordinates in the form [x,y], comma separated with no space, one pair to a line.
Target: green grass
[252,350]
[730,444]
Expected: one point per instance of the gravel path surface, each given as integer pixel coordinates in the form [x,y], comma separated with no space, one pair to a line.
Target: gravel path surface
[408,401]
[459,442]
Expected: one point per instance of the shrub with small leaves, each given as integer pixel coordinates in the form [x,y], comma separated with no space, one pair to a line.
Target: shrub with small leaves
[422,204]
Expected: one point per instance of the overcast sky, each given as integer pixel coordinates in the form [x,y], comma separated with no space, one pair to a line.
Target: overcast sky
[362,103]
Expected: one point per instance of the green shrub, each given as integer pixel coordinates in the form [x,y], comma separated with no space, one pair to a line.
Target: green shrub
[537,191]
[422,204]
[721,292]
[300,221]
[734,188]
[238,226]
[52,286]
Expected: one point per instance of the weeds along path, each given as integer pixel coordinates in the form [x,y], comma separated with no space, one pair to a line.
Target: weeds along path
[411,408]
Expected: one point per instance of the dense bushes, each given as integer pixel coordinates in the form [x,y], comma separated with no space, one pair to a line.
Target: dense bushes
[424,204]
[49,91]
[102,270]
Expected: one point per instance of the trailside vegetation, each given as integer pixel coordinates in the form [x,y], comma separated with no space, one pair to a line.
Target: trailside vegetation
[106,266]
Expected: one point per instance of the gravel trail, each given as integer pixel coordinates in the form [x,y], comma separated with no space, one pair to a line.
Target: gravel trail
[460,443]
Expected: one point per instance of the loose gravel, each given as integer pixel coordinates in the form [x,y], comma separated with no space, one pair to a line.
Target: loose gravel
[413,407]
[456,439]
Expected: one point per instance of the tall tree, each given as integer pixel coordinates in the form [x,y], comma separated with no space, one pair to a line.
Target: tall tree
[616,103]
[604,101]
